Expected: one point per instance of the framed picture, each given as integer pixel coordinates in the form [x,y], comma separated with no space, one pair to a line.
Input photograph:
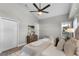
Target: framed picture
[31,28]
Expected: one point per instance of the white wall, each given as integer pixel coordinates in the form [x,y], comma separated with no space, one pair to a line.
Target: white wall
[52,26]
[74,10]
[19,14]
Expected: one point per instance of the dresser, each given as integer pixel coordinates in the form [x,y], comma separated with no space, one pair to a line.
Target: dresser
[31,38]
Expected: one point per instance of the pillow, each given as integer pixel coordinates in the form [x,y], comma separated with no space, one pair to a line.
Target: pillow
[40,42]
[77,43]
[70,47]
[51,40]
[60,45]
[77,51]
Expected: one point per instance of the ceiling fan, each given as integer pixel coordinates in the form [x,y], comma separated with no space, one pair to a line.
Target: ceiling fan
[39,9]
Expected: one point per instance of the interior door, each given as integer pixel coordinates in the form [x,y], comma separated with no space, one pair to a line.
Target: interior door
[9,39]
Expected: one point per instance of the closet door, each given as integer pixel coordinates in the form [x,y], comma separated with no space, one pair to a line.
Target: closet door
[1,35]
[9,31]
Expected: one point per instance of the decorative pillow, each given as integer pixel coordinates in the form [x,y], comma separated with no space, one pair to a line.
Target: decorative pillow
[70,47]
[77,50]
[60,45]
[77,43]
[51,40]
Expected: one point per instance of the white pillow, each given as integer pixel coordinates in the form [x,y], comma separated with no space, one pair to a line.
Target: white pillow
[77,51]
[51,40]
[77,43]
[40,42]
[60,45]
[70,47]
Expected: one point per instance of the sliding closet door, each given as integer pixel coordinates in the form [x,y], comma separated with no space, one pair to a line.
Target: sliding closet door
[9,39]
[1,35]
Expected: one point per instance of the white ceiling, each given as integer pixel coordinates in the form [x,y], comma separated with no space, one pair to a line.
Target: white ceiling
[16,11]
[54,10]
[20,10]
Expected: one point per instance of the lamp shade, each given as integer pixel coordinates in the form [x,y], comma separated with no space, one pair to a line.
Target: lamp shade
[70,30]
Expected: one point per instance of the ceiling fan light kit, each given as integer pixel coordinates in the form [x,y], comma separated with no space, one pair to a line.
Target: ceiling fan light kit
[39,13]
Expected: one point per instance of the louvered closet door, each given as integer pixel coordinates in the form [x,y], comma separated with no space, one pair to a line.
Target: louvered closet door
[9,31]
[1,35]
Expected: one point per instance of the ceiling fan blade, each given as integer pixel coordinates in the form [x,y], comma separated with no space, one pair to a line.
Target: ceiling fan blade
[45,12]
[46,7]
[33,11]
[36,6]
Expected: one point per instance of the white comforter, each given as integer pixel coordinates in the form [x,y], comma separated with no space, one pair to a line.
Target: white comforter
[41,47]
[52,51]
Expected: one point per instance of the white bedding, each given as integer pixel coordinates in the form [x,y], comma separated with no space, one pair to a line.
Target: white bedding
[52,51]
[36,47]
[41,47]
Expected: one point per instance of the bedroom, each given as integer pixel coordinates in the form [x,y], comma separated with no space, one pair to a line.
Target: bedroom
[16,21]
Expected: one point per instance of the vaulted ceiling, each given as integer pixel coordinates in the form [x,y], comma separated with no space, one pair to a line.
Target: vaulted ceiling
[55,9]
[21,9]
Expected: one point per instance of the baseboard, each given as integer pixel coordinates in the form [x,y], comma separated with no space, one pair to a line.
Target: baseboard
[0,51]
[16,46]
[22,44]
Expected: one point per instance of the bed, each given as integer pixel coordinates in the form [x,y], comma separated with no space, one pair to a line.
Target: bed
[52,51]
[42,47]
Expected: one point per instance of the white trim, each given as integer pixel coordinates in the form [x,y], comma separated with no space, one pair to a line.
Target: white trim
[21,44]
[0,51]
